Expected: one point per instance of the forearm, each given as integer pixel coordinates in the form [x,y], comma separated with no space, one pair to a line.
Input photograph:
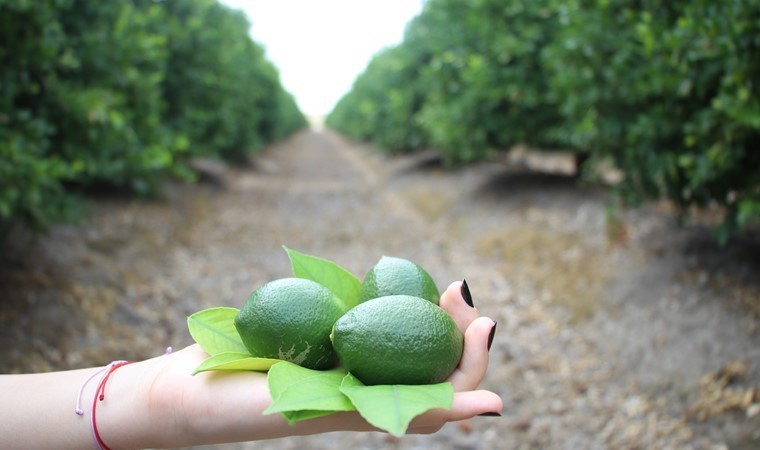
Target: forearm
[154,403]
[38,410]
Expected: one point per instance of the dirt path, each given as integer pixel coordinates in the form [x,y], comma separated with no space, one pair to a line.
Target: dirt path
[652,343]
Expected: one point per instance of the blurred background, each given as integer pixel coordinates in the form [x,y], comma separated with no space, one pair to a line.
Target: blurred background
[591,168]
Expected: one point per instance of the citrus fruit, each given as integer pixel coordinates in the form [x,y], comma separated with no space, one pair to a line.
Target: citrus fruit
[398,339]
[290,319]
[398,276]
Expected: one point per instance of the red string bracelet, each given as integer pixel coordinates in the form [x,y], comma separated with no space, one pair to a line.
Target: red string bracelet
[100,394]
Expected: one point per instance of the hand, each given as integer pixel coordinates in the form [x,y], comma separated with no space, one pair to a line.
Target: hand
[176,409]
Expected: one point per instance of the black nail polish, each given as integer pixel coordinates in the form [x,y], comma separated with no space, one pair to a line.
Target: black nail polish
[466,294]
[491,334]
[490,414]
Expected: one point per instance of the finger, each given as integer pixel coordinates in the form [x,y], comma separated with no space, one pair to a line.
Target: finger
[452,301]
[339,421]
[465,406]
[472,367]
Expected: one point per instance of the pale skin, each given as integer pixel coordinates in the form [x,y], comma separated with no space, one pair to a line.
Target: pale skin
[157,403]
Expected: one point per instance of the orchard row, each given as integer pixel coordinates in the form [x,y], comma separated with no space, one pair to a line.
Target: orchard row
[666,90]
[125,94]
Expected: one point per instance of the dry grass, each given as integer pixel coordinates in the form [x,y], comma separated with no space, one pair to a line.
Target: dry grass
[564,268]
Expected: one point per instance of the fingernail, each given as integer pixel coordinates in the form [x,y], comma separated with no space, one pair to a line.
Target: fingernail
[490,414]
[491,334]
[466,294]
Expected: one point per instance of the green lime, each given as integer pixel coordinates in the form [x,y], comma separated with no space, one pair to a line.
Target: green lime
[398,339]
[398,276]
[291,319]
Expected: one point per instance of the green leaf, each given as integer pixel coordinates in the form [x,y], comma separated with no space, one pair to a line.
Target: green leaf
[392,407]
[309,393]
[214,330]
[338,280]
[235,361]
[295,416]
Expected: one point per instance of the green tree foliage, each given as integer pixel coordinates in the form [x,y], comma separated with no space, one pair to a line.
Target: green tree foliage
[468,76]
[103,101]
[487,84]
[223,95]
[30,173]
[383,110]
[124,93]
[667,90]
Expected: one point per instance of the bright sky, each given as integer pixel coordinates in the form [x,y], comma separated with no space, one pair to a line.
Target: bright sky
[320,46]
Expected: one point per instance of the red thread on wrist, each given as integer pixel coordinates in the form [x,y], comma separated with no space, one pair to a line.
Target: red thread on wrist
[100,394]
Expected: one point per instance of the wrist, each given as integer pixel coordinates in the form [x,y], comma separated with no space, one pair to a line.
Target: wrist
[124,417]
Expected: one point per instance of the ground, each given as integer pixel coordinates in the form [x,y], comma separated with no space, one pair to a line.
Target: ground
[629,332]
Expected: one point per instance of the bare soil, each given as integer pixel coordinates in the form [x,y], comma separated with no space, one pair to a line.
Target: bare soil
[630,333]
